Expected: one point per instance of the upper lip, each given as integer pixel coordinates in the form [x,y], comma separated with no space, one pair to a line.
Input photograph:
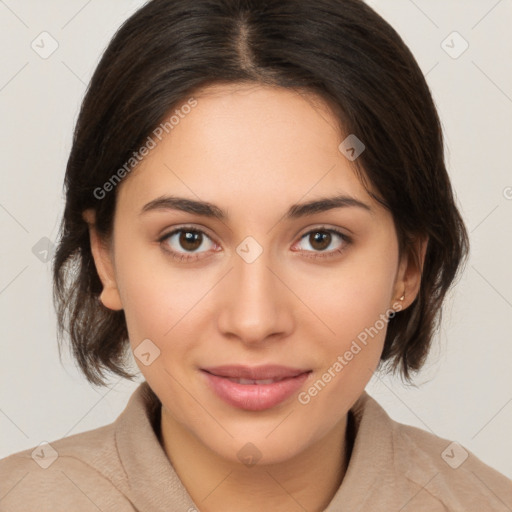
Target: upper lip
[255,372]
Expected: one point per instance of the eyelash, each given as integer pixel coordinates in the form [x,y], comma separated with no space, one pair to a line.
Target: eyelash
[191,257]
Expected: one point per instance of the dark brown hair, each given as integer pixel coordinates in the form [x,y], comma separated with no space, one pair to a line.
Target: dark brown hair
[339,50]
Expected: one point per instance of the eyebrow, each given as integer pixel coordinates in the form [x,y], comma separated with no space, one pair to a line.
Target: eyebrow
[295,211]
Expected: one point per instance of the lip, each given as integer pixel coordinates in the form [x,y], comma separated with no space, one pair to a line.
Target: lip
[269,371]
[255,397]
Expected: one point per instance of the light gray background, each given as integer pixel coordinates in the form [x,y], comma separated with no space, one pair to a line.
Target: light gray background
[465,391]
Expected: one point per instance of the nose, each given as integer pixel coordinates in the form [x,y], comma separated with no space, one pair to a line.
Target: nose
[255,305]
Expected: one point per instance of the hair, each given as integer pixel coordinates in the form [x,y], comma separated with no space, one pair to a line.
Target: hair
[340,51]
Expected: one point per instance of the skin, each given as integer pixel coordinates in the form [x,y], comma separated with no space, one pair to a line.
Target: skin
[253,151]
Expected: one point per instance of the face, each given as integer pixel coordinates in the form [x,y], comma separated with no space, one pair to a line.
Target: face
[249,282]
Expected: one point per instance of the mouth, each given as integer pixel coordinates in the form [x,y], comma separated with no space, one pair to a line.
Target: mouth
[256,373]
[252,381]
[255,388]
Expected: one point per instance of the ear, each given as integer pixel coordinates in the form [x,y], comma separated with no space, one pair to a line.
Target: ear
[103,261]
[410,269]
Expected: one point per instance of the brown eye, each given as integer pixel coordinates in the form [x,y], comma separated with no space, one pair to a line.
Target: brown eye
[185,243]
[190,240]
[320,240]
[324,241]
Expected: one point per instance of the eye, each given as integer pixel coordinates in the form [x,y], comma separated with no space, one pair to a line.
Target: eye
[184,243]
[322,238]
[187,239]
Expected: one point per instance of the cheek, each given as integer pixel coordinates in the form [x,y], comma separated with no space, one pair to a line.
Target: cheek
[149,291]
[352,297]
[161,303]
[350,356]
[355,304]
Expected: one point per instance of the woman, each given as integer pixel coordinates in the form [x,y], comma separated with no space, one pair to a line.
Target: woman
[257,206]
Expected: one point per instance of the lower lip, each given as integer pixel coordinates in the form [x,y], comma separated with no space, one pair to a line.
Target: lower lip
[254,397]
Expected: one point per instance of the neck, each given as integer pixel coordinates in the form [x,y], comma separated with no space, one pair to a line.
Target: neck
[307,481]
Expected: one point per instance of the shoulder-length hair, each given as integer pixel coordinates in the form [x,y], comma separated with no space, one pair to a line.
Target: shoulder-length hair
[340,50]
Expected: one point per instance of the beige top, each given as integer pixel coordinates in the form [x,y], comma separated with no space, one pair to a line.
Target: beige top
[122,467]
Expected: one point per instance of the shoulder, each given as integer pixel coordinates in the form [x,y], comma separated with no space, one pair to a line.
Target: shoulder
[448,471]
[81,472]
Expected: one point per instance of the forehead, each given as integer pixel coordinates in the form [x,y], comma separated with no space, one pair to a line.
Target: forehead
[247,146]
